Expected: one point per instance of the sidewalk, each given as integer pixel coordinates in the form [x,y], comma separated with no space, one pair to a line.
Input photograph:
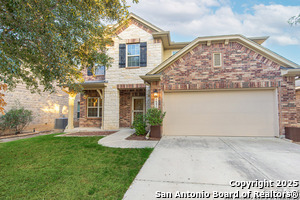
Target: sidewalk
[118,140]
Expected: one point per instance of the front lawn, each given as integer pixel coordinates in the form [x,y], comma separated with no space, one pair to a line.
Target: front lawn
[48,167]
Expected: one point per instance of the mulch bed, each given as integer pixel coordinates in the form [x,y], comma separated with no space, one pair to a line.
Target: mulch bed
[140,137]
[99,133]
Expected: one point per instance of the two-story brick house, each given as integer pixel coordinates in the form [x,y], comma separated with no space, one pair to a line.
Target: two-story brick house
[219,85]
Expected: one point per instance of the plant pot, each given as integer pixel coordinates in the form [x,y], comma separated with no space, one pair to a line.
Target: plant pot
[292,133]
[155,131]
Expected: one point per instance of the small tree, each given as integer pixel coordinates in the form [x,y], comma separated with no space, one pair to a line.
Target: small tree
[139,124]
[16,119]
[155,116]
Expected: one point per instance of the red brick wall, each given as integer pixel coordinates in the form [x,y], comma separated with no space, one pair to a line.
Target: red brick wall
[83,120]
[241,68]
[92,78]
[126,105]
[298,105]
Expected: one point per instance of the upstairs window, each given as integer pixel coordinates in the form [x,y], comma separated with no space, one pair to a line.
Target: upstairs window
[133,55]
[98,70]
[217,62]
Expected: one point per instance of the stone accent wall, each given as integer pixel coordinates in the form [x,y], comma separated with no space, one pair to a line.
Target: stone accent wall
[126,105]
[241,68]
[118,76]
[298,105]
[45,107]
[136,23]
[84,121]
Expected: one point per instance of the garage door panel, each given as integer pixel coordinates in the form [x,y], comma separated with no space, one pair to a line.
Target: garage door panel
[226,113]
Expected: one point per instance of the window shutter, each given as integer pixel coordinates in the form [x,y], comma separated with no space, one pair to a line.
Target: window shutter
[89,71]
[143,54]
[122,55]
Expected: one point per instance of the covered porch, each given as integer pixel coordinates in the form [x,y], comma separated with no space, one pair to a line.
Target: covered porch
[133,101]
[90,106]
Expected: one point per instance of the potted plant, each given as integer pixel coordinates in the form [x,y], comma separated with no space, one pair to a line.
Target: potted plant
[155,118]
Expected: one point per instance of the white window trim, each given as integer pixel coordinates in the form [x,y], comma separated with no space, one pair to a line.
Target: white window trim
[98,107]
[214,60]
[139,55]
[132,107]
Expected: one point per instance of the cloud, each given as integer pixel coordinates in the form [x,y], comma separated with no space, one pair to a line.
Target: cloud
[196,18]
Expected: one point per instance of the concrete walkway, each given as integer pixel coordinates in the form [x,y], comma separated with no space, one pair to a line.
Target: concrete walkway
[118,140]
[208,164]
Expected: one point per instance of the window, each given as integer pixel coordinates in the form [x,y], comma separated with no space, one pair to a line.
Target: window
[217,59]
[78,109]
[99,70]
[94,107]
[133,55]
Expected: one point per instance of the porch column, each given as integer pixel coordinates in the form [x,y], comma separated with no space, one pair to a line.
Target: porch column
[72,96]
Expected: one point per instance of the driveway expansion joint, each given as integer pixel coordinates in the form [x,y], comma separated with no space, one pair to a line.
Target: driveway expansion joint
[180,182]
[243,157]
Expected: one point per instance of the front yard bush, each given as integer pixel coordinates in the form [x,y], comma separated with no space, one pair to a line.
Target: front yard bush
[139,124]
[155,116]
[15,119]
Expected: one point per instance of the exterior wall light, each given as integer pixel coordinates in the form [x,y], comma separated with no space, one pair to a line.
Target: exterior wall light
[156,99]
[155,93]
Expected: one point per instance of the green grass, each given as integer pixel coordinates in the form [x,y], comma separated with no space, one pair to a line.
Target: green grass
[48,167]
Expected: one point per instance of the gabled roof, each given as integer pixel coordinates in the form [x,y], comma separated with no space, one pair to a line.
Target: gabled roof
[225,38]
[141,20]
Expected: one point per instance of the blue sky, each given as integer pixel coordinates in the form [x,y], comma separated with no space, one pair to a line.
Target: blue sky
[187,20]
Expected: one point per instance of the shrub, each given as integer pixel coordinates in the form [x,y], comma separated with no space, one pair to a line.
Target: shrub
[16,119]
[139,124]
[155,116]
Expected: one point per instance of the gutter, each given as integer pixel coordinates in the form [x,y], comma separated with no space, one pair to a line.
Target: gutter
[290,72]
[151,78]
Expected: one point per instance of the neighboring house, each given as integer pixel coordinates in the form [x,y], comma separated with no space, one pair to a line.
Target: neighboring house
[45,107]
[219,85]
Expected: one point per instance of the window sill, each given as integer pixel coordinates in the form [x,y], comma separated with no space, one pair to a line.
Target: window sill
[132,67]
[93,117]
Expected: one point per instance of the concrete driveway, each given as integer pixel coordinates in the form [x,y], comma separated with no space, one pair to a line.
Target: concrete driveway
[208,164]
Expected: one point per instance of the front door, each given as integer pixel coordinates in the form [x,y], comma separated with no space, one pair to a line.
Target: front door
[138,106]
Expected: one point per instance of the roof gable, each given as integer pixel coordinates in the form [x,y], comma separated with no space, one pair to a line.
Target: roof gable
[225,39]
[139,22]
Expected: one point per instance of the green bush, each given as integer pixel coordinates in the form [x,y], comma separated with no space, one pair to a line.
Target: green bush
[16,119]
[155,116]
[139,124]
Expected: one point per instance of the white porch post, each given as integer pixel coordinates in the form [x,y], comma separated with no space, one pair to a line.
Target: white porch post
[72,96]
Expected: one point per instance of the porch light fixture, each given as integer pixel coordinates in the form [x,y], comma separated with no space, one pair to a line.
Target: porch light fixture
[155,93]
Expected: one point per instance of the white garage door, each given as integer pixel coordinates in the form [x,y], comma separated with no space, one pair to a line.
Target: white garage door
[221,113]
